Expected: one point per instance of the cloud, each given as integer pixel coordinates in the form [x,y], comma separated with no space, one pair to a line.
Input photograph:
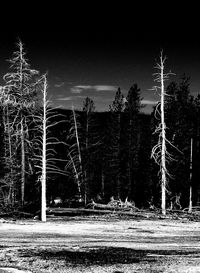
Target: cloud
[57,85]
[85,87]
[79,97]
[77,89]
[105,87]
[71,98]
[150,102]
[64,98]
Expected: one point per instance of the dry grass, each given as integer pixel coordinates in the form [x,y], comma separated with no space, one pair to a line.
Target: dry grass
[112,245]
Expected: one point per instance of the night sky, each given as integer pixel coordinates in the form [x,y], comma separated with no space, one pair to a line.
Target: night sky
[86,60]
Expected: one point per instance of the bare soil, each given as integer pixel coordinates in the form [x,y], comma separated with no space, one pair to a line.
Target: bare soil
[101,244]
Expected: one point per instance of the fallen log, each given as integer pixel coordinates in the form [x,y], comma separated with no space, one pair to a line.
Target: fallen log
[108,207]
[113,205]
[83,211]
[139,214]
[16,214]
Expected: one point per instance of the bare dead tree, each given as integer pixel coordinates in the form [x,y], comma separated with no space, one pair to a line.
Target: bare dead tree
[20,89]
[74,153]
[7,101]
[72,165]
[88,110]
[159,152]
[190,191]
[45,154]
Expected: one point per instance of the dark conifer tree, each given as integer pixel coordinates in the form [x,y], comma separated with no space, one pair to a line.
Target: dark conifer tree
[116,109]
[180,113]
[196,153]
[88,142]
[132,108]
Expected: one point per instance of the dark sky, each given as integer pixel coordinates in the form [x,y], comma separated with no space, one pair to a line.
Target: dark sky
[89,59]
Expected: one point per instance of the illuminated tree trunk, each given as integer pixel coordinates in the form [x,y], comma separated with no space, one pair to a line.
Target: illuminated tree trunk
[22,162]
[86,151]
[103,184]
[163,148]
[159,151]
[20,95]
[190,193]
[44,158]
[76,157]
[10,152]
[76,175]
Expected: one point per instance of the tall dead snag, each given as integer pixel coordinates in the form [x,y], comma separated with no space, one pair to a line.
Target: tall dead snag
[159,151]
[88,136]
[21,91]
[190,193]
[44,145]
[44,152]
[7,187]
[74,154]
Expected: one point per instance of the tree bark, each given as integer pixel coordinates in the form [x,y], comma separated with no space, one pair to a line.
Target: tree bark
[190,192]
[44,160]
[23,166]
[163,147]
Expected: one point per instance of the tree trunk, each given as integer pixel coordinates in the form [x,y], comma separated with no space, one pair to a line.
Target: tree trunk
[118,188]
[163,147]
[77,177]
[86,152]
[8,133]
[22,163]
[80,179]
[103,183]
[130,162]
[44,160]
[190,193]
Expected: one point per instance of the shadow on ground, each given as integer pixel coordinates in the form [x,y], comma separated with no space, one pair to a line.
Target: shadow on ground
[104,255]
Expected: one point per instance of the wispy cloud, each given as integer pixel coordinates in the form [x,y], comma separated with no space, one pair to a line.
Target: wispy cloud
[77,89]
[105,87]
[151,102]
[71,98]
[57,85]
[65,98]
[85,87]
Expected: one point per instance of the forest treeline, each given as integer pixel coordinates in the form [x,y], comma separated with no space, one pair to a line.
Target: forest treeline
[90,154]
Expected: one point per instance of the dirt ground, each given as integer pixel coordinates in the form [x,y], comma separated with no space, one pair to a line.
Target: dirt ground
[102,245]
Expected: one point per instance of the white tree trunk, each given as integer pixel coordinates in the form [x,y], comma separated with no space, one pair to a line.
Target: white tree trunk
[8,132]
[190,193]
[44,160]
[163,147]
[159,151]
[76,175]
[22,163]
[79,150]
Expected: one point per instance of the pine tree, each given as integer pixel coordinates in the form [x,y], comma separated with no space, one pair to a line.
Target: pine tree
[116,109]
[88,140]
[133,106]
[180,117]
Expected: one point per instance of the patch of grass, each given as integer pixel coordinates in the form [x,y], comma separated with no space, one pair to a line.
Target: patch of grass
[96,260]
[103,255]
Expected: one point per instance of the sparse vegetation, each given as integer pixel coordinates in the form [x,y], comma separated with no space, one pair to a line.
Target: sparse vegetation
[101,195]
[100,244]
